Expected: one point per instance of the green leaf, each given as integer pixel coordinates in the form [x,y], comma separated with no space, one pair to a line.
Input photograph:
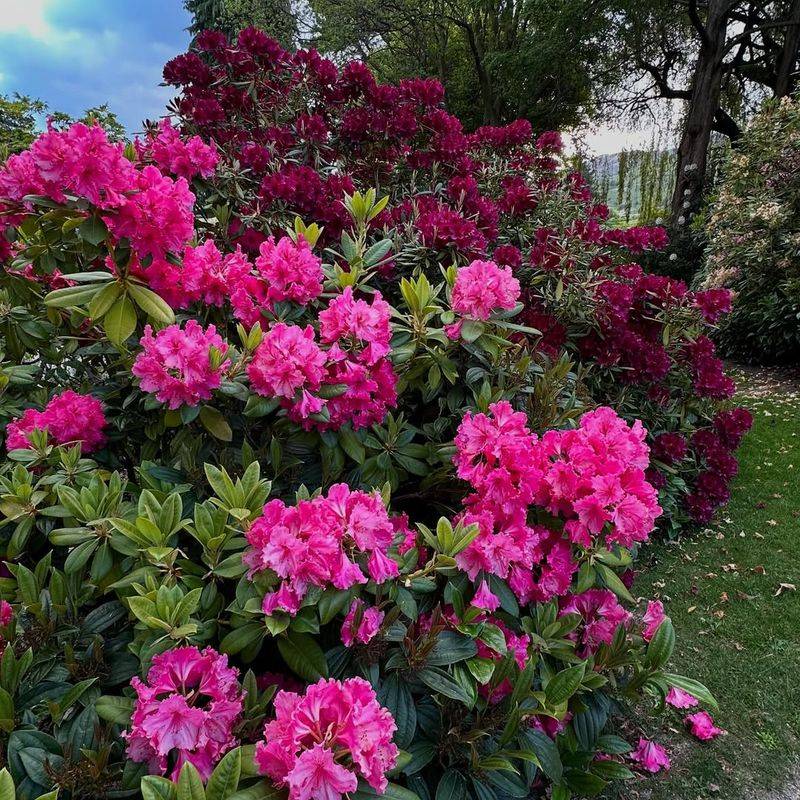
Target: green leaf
[452,786]
[120,321]
[104,299]
[190,784]
[214,422]
[613,582]
[154,787]
[451,647]
[224,779]
[6,785]
[546,752]
[241,638]
[93,230]
[70,296]
[303,656]
[442,682]
[471,330]
[351,445]
[564,684]
[115,709]
[152,304]
[661,646]
[395,695]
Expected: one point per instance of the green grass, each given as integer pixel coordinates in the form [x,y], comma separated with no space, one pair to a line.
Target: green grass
[736,632]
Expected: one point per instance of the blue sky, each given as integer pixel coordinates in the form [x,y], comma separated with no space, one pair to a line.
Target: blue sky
[74,54]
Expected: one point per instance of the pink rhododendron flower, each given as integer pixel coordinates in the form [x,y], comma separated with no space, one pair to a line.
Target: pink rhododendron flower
[651,756]
[701,725]
[6,612]
[68,418]
[484,598]
[287,360]
[176,364]
[204,274]
[483,287]
[184,711]
[361,624]
[592,477]
[330,540]
[678,698]
[359,325]
[602,614]
[157,217]
[286,271]
[322,741]
[291,270]
[185,158]
[78,161]
[652,619]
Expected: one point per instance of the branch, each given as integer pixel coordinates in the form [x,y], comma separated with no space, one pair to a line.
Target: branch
[694,17]
[725,124]
[662,83]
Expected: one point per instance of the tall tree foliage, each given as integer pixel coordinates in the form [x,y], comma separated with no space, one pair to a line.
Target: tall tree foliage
[279,18]
[501,60]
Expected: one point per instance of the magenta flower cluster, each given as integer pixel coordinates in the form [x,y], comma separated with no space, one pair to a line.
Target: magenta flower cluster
[185,711]
[340,539]
[68,418]
[176,364]
[592,477]
[321,742]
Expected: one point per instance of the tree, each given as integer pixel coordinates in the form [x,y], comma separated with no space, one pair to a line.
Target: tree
[717,56]
[498,61]
[100,115]
[279,18]
[18,113]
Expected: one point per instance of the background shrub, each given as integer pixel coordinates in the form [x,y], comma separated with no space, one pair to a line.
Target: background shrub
[754,246]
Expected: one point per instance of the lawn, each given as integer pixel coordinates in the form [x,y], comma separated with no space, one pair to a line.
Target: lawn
[733,592]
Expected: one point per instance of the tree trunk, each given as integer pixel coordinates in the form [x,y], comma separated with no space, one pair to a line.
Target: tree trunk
[700,112]
[791,45]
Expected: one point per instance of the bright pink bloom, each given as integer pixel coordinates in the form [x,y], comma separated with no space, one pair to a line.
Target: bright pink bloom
[68,418]
[176,366]
[290,269]
[484,598]
[6,612]
[185,710]
[358,325]
[652,619]
[701,725]
[361,624]
[483,287]
[327,541]
[185,158]
[287,360]
[602,614]
[652,757]
[286,271]
[78,161]
[204,274]
[316,776]
[678,698]
[157,217]
[335,730]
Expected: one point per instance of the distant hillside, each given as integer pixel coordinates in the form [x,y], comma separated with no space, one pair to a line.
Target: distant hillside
[635,184]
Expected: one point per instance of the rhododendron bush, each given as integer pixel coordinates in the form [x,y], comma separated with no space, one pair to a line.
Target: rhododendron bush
[754,241]
[332,434]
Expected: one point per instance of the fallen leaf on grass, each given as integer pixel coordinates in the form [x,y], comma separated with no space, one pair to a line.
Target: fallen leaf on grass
[785,587]
[759,570]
